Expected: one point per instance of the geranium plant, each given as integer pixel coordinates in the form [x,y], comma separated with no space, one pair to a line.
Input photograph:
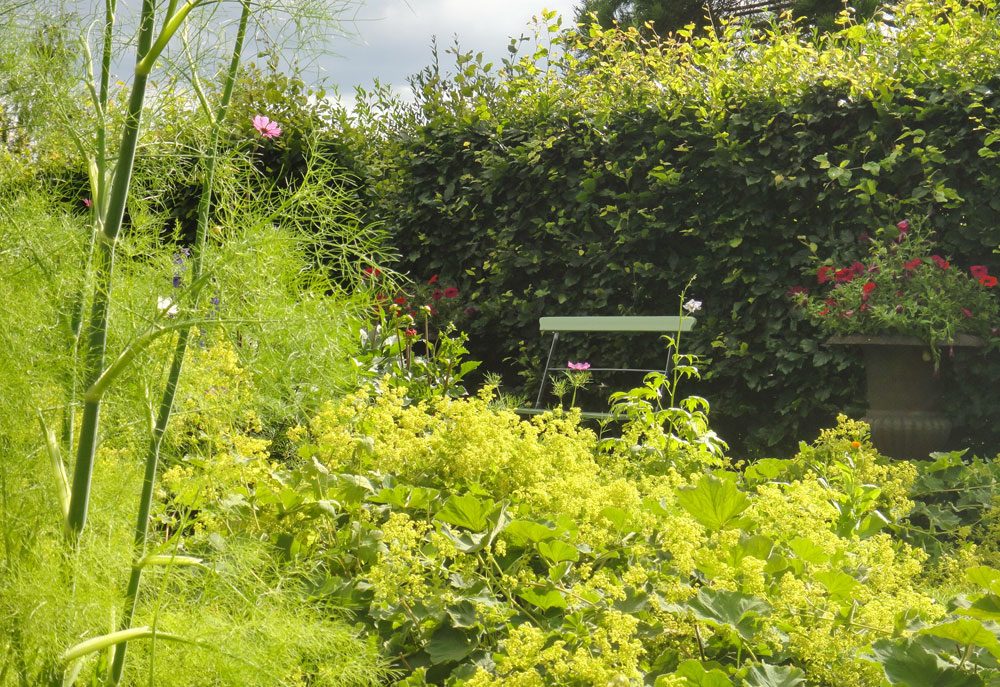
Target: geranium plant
[903,287]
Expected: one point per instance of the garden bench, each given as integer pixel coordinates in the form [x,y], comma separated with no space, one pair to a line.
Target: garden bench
[613,325]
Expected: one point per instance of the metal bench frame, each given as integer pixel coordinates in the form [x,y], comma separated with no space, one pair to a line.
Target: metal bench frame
[624,324]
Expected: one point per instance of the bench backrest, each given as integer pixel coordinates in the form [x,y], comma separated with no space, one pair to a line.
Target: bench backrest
[618,324]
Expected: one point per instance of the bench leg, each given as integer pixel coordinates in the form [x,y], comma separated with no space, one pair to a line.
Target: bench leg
[545,371]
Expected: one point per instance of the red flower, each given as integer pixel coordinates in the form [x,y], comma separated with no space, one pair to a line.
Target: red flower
[796,290]
[858,268]
[823,274]
[824,312]
[450,292]
[399,300]
[437,294]
[830,302]
[904,229]
[966,312]
[940,262]
[864,307]
[867,289]
[913,264]
[844,275]
[979,271]
[88,203]
[433,279]
[988,281]
[372,272]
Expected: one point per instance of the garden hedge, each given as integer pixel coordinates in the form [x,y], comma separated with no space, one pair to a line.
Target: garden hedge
[606,179]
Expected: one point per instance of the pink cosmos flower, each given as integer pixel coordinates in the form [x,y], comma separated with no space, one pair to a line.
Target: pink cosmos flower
[88,203]
[266,127]
[578,366]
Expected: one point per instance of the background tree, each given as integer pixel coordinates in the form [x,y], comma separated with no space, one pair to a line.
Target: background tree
[668,16]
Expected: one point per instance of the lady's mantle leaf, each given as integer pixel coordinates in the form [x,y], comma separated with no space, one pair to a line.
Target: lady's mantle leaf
[715,501]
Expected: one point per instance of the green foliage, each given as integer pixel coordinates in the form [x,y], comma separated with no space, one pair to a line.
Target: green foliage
[674,16]
[412,343]
[960,650]
[481,549]
[598,174]
[50,599]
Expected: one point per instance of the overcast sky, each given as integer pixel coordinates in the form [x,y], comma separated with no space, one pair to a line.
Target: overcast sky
[394,36]
[390,39]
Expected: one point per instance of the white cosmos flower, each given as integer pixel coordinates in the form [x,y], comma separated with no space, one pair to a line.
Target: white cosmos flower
[166,305]
[692,306]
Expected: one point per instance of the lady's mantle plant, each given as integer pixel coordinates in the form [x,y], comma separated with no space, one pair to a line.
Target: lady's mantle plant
[903,288]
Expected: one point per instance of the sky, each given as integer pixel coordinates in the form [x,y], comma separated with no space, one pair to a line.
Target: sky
[394,37]
[387,40]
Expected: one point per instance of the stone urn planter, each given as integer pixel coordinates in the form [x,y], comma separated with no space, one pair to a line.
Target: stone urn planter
[904,409]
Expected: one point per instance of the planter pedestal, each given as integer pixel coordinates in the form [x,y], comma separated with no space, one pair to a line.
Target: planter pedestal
[903,394]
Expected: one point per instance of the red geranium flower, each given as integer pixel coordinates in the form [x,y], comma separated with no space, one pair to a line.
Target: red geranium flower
[823,274]
[433,279]
[979,271]
[450,292]
[940,262]
[988,281]
[796,290]
[437,294]
[843,275]
[399,300]
[913,264]
[867,289]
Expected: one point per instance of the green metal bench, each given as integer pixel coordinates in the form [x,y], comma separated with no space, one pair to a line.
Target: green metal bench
[619,325]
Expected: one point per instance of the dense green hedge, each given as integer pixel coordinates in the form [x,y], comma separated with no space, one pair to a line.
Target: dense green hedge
[602,181]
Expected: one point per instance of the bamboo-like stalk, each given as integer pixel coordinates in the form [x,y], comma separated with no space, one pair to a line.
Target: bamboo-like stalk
[97,327]
[180,350]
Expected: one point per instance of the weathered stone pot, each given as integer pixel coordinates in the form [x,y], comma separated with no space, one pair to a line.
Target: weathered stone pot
[904,408]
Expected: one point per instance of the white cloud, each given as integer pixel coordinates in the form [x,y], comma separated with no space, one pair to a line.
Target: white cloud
[395,36]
